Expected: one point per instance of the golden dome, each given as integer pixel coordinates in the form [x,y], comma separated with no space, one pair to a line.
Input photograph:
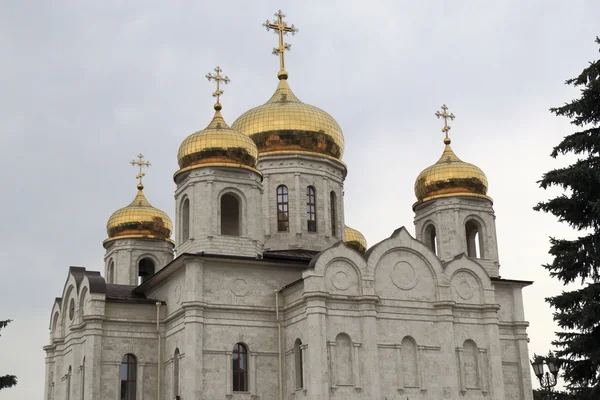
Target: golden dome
[284,123]
[355,239]
[450,176]
[217,144]
[139,220]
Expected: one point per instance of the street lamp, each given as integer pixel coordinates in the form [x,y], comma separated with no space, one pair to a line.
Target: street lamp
[547,379]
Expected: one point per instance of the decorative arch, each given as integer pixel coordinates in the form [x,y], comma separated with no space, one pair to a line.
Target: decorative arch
[184,220]
[147,265]
[429,237]
[65,308]
[82,299]
[110,271]
[471,364]
[475,233]
[343,360]
[410,362]
[231,212]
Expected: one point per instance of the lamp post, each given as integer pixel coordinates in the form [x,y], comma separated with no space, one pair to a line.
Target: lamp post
[548,379]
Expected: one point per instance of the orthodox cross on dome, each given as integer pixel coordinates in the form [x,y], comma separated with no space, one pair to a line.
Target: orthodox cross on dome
[141,164]
[218,79]
[280,27]
[446,116]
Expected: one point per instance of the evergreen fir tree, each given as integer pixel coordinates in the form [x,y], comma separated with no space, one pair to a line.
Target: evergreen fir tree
[577,312]
[6,381]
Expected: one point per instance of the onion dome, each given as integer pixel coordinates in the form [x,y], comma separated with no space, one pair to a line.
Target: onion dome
[285,124]
[139,220]
[450,176]
[355,239]
[217,145]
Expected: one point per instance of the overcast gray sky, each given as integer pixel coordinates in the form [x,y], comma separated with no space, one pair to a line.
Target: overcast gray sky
[85,86]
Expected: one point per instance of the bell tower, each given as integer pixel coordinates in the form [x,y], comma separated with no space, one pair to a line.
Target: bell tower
[453,214]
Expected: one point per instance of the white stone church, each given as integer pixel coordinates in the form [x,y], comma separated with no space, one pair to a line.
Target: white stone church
[266,294]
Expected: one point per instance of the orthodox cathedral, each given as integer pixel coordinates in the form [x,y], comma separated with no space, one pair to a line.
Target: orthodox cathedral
[264,293]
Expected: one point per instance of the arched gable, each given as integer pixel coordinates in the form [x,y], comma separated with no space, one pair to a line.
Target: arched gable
[468,277]
[401,239]
[341,268]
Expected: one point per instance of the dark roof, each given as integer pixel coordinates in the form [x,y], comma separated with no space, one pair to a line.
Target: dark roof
[299,254]
[500,280]
[124,294]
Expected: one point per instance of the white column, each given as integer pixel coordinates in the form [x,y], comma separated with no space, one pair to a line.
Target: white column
[252,376]
[461,369]
[399,374]
[229,372]
[211,210]
[420,360]
[139,381]
[332,364]
[356,366]
[81,381]
[326,217]
[303,348]
[266,202]
[299,195]
[118,382]
[483,370]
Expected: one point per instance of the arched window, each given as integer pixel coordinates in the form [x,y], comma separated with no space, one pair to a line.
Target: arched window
[283,216]
[311,209]
[408,348]
[430,238]
[240,368]
[128,376]
[68,384]
[343,351]
[176,373]
[83,379]
[474,239]
[298,364]
[110,275]
[333,208]
[230,215]
[185,220]
[471,365]
[145,270]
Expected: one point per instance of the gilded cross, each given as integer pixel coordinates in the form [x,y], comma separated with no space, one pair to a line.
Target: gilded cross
[280,27]
[218,79]
[445,115]
[140,163]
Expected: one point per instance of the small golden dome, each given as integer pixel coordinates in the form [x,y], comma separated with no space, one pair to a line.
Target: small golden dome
[139,220]
[217,144]
[284,123]
[450,176]
[355,239]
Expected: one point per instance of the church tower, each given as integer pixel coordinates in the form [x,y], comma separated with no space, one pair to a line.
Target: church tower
[453,214]
[300,149]
[138,243]
[219,189]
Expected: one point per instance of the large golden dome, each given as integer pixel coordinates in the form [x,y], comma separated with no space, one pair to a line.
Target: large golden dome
[284,123]
[217,144]
[139,220]
[355,239]
[450,176]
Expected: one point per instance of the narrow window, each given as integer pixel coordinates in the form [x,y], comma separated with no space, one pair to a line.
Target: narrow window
[68,388]
[128,375]
[430,238]
[230,215]
[176,373]
[145,270]
[240,368]
[83,379]
[474,240]
[311,209]
[283,216]
[332,207]
[111,272]
[298,364]
[185,220]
